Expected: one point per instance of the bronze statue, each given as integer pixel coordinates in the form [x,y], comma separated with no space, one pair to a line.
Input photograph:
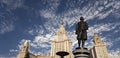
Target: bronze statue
[81,31]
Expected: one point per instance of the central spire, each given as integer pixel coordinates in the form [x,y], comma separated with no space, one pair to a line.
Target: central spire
[97,39]
[61,33]
[62,21]
[62,28]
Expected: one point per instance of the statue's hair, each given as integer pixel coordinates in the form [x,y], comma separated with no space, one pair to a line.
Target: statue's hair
[81,18]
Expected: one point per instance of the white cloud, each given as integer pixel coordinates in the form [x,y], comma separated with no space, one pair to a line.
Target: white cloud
[91,11]
[107,42]
[40,42]
[6,57]
[1,56]
[13,50]
[47,14]
[104,15]
[109,4]
[96,29]
[71,17]
[6,26]
[13,4]
[99,28]
[116,5]
[114,53]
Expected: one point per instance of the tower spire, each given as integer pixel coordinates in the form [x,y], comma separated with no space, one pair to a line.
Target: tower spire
[99,49]
[24,53]
[61,33]
[26,43]
[25,46]
[62,21]
[97,39]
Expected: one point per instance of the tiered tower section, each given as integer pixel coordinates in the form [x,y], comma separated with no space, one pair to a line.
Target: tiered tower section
[99,49]
[24,53]
[61,43]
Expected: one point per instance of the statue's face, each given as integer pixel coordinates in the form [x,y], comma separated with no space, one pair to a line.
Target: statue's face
[82,20]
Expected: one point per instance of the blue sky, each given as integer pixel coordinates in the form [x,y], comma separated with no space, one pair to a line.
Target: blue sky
[38,21]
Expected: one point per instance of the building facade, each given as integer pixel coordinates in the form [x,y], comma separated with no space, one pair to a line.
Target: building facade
[99,49]
[24,53]
[62,43]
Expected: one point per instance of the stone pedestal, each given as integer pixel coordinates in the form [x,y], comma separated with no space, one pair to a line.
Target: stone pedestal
[81,53]
[62,54]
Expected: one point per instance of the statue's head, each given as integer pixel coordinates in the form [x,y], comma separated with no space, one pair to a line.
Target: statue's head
[81,18]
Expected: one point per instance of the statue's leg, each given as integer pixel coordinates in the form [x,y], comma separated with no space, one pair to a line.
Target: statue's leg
[83,42]
[79,43]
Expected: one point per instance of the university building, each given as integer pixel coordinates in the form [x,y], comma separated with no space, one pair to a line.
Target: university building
[62,43]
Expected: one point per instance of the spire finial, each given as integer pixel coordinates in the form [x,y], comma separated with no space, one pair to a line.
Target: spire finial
[96,34]
[26,43]
[62,20]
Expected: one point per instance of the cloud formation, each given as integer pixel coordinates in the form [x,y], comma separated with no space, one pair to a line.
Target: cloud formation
[13,4]
[114,53]
[96,10]
[6,26]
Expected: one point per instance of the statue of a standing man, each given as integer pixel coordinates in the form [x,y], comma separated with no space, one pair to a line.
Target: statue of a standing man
[81,31]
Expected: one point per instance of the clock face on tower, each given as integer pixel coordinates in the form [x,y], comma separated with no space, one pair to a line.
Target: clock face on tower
[98,40]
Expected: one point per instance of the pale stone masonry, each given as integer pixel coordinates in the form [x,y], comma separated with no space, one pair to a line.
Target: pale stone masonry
[24,53]
[24,50]
[99,49]
[61,43]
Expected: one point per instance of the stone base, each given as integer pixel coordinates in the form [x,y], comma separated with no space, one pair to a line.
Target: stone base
[62,53]
[81,53]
